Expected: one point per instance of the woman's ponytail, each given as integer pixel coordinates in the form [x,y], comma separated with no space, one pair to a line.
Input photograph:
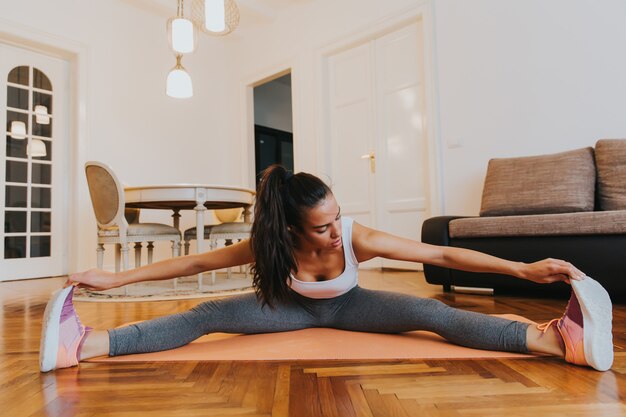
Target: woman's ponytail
[280,201]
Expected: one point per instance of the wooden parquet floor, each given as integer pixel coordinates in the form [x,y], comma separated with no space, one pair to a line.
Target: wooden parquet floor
[530,387]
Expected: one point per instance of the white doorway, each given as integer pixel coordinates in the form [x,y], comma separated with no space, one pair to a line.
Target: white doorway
[376,146]
[34,164]
[273,124]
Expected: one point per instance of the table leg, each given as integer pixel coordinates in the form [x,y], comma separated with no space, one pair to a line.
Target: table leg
[176,217]
[200,209]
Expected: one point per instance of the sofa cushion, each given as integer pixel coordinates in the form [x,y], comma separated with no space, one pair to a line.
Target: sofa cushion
[611,167]
[562,224]
[557,183]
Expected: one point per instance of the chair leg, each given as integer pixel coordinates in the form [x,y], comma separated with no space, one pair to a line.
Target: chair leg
[125,263]
[175,254]
[100,255]
[212,246]
[137,254]
[150,252]
[229,271]
[118,249]
[124,250]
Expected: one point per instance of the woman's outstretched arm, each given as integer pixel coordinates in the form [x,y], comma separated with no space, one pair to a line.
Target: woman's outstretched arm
[234,255]
[369,243]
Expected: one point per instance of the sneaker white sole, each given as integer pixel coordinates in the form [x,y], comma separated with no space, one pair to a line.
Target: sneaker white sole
[49,346]
[596,307]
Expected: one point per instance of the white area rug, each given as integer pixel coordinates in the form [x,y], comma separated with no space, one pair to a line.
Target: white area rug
[186,288]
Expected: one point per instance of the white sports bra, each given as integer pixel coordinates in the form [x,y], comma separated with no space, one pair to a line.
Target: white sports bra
[335,287]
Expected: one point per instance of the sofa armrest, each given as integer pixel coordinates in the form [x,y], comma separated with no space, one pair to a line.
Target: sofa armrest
[435,232]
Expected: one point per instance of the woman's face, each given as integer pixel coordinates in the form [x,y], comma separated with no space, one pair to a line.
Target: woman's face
[321,226]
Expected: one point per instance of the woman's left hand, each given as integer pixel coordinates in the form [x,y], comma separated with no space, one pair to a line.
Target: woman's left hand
[551,270]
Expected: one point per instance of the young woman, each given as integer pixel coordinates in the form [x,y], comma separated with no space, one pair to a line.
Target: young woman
[305,257]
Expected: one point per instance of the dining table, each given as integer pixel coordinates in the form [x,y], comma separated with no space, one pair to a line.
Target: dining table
[198,197]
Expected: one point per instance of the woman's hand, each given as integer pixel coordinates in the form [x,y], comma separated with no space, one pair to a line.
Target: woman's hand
[94,279]
[551,270]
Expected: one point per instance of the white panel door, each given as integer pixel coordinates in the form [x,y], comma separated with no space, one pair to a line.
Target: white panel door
[402,162]
[375,104]
[34,93]
[351,101]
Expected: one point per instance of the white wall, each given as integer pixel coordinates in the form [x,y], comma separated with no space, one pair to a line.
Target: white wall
[525,77]
[513,78]
[146,136]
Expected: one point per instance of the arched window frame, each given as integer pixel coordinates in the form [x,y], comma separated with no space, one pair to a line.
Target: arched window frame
[28,160]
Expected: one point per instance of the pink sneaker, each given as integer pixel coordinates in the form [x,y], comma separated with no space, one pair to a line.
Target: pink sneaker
[586,326]
[62,334]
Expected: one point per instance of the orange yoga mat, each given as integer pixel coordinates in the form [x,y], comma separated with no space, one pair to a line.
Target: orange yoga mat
[317,344]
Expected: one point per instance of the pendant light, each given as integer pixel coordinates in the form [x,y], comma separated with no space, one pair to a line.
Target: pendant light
[178,81]
[181,32]
[36,148]
[41,115]
[214,15]
[18,130]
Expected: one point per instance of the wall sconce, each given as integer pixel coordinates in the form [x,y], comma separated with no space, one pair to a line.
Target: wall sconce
[18,130]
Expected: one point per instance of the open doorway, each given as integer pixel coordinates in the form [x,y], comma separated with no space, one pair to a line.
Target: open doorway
[273,124]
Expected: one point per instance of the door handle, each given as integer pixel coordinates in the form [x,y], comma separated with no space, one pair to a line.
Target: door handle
[372,157]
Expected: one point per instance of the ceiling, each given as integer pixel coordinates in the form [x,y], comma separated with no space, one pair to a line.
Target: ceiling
[253,12]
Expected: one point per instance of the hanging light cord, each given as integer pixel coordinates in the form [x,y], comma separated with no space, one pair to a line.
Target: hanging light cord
[180,10]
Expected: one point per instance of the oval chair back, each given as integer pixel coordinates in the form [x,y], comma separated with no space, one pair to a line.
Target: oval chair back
[107,195]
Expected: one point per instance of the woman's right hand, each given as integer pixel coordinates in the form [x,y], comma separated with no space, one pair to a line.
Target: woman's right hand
[94,279]
[552,270]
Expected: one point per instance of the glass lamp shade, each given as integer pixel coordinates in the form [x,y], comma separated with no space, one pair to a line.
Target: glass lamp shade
[179,82]
[205,12]
[18,130]
[41,115]
[214,15]
[36,148]
[181,34]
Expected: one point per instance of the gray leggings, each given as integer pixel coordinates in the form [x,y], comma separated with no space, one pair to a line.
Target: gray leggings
[359,309]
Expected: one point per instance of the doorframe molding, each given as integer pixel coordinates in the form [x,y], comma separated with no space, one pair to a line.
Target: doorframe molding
[421,12]
[76,54]
[248,84]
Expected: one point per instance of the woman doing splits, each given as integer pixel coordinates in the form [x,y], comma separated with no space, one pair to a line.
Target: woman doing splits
[305,258]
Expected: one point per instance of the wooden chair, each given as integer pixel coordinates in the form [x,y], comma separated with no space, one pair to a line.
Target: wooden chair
[107,198]
[230,230]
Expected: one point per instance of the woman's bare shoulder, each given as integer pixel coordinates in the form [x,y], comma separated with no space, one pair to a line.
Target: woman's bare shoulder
[361,237]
